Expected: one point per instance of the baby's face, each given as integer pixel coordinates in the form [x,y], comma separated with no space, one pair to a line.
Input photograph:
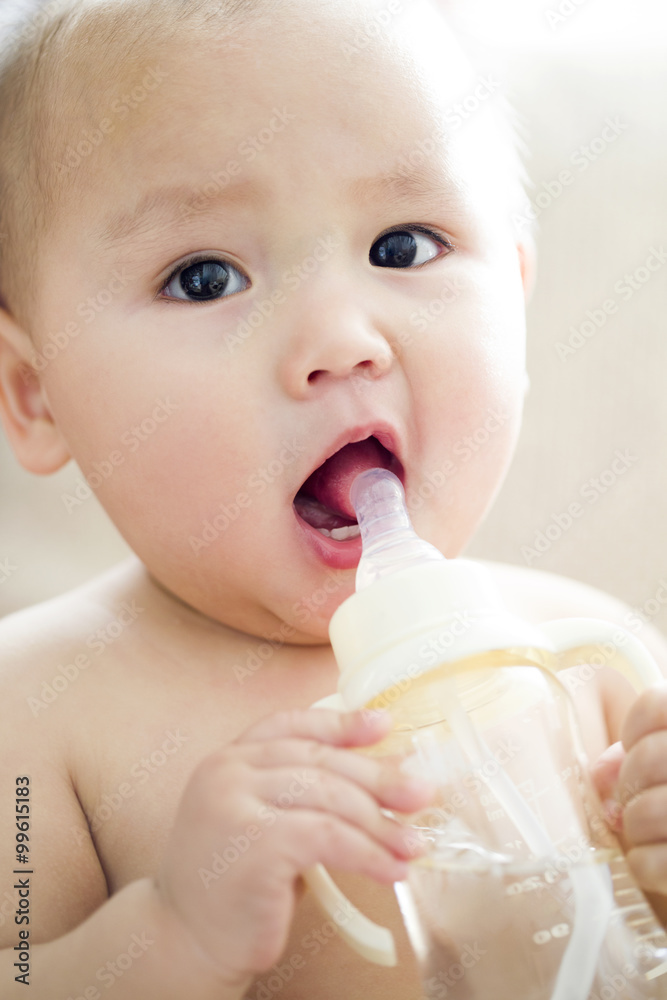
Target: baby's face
[331,261]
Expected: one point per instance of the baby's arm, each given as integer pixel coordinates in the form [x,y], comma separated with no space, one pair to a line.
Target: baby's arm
[188,936]
[84,963]
[60,890]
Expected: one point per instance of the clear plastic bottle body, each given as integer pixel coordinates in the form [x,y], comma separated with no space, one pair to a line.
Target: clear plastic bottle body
[523,893]
[494,905]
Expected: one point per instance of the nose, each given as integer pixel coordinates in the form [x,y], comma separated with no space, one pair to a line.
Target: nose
[332,337]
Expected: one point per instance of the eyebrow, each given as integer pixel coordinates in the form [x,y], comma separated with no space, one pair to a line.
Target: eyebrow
[404,182]
[173,207]
[165,207]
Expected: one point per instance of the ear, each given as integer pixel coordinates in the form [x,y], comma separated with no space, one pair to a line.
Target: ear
[24,408]
[528,263]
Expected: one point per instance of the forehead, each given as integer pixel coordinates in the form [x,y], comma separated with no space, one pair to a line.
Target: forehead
[275,103]
[342,73]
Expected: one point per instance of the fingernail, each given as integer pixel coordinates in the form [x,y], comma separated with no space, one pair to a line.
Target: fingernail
[414,844]
[421,787]
[373,715]
[399,870]
[613,813]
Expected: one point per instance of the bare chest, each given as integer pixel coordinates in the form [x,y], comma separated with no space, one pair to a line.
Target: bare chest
[131,785]
[131,809]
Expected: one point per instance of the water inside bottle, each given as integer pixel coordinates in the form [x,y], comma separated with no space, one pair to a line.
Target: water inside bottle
[494,906]
[506,935]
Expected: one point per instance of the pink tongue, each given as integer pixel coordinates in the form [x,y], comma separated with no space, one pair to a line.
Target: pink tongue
[330,484]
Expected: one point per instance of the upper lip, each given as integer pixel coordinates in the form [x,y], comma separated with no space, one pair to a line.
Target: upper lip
[384,432]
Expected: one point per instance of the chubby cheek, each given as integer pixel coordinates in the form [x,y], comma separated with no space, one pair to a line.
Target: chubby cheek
[471,365]
[164,452]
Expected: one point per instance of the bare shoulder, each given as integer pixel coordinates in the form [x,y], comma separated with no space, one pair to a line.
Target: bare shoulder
[44,650]
[539,596]
[70,617]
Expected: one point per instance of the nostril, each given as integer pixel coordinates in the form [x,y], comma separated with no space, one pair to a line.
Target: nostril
[364,369]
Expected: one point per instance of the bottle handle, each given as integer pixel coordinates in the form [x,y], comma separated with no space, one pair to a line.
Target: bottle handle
[370,940]
[596,643]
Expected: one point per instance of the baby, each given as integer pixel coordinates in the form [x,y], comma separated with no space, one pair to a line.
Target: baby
[241,213]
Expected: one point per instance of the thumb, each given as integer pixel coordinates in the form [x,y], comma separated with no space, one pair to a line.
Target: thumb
[604,774]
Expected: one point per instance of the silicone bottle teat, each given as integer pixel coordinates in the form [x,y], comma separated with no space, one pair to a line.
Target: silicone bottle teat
[389,540]
[410,600]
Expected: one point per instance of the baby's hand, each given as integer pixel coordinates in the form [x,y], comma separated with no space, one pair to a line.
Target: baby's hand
[631,778]
[257,813]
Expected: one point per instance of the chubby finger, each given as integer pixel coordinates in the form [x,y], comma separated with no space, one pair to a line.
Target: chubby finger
[605,771]
[644,816]
[648,864]
[326,792]
[314,836]
[378,776]
[645,766]
[647,714]
[324,724]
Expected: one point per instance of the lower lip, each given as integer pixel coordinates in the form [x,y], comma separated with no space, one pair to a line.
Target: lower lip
[340,555]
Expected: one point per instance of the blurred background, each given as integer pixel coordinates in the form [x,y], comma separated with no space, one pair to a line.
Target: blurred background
[598,374]
[597,351]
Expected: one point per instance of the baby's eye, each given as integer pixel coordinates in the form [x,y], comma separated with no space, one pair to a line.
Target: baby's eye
[204,281]
[408,248]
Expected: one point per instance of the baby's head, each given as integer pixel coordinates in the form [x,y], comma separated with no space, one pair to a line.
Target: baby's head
[239,235]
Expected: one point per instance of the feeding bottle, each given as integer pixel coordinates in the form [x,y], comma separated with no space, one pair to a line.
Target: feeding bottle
[523,893]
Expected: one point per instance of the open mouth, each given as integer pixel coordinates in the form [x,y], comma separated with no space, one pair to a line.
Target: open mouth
[323,501]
